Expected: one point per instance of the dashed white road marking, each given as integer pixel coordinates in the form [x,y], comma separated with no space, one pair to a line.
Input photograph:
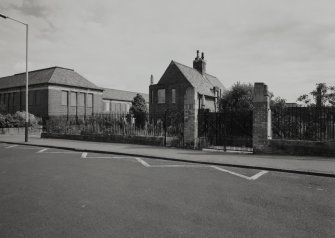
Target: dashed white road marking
[57,152]
[178,166]
[83,155]
[42,150]
[145,164]
[254,177]
[11,146]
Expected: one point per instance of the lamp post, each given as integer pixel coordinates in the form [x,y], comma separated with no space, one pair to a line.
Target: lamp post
[27,112]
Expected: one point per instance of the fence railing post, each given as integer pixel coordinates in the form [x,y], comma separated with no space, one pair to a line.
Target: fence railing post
[165,126]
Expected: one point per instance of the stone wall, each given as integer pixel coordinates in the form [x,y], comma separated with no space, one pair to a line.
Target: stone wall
[298,147]
[21,131]
[141,140]
[191,118]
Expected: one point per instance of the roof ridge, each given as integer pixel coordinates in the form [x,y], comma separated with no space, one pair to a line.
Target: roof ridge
[192,68]
[37,70]
[202,75]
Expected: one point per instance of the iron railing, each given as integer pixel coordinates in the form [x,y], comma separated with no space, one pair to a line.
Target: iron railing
[230,128]
[168,125]
[304,123]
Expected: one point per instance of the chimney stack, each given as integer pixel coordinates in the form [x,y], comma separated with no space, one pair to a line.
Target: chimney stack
[200,63]
[151,80]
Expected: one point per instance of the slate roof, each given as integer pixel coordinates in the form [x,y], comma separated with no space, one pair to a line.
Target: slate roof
[203,83]
[54,75]
[122,95]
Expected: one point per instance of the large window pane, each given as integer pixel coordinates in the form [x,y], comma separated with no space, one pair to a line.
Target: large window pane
[89,100]
[64,98]
[73,99]
[161,95]
[81,100]
[106,106]
[173,96]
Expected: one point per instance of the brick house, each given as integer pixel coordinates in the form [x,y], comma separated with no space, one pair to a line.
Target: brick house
[60,91]
[182,85]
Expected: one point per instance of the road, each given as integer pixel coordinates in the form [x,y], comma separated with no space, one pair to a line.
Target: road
[59,193]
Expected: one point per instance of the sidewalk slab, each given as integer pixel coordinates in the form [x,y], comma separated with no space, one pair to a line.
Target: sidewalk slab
[321,166]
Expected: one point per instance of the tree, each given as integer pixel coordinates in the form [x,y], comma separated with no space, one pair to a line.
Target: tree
[239,96]
[139,110]
[323,95]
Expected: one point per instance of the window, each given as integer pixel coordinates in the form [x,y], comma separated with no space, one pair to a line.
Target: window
[161,95]
[81,100]
[173,95]
[10,99]
[31,96]
[64,98]
[5,100]
[113,105]
[106,106]
[38,96]
[73,99]
[89,100]
[16,99]
[127,107]
[124,108]
[118,107]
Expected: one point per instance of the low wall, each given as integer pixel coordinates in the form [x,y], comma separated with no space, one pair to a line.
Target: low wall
[20,131]
[141,140]
[298,147]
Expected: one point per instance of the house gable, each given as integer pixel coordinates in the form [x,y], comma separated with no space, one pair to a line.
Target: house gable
[173,75]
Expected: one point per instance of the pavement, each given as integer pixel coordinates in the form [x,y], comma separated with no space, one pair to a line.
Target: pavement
[311,165]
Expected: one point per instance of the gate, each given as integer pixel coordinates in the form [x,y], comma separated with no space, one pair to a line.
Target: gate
[230,129]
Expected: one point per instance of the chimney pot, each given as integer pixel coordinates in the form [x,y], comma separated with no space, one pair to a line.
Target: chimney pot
[151,80]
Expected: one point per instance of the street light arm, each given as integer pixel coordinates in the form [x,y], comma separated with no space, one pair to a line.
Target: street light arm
[7,17]
[3,16]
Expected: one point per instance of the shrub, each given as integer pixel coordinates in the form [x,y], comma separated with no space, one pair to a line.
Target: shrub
[18,120]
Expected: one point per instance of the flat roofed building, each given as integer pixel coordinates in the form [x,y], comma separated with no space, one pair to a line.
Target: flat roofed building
[119,101]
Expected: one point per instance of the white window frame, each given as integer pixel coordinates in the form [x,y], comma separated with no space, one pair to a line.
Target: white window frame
[106,106]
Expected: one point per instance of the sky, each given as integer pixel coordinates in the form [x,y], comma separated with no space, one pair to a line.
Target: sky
[287,44]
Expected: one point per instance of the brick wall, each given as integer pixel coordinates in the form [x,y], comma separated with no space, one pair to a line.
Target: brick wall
[261,118]
[56,107]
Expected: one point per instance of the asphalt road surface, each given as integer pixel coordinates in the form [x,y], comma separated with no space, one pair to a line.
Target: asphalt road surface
[58,193]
